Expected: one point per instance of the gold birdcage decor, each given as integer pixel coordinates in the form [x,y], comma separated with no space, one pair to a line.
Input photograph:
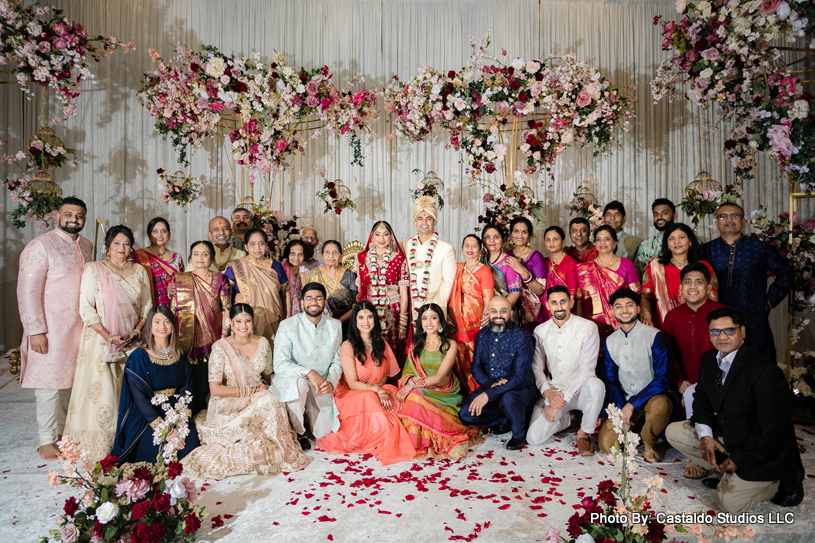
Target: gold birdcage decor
[343,192]
[41,183]
[703,182]
[585,195]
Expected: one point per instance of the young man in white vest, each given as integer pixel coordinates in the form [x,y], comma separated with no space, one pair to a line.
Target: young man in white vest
[566,349]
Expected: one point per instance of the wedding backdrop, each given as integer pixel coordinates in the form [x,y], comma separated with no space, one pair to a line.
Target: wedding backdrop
[118,151]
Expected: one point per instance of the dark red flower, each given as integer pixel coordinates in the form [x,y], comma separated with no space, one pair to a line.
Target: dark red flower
[332,193]
[71,506]
[656,19]
[141,533]
[656,531]
[239,86]
[538,76]
[159,531]
[162,503]
[143,473]
[160,171]
[522,97]
[140,509]
[303,77]
[515,84]
[194,67]
[274,65]
[330,185]
[217,522]
[109,461]
[451,74]
[502,188]
[191,524]
[338,211]
[489,168]
[174,469]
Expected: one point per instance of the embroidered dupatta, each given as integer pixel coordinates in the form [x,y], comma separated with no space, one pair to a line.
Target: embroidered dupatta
[260,288]
[245,376]
[158,281]
[120,315]
[199,307]
[596,285]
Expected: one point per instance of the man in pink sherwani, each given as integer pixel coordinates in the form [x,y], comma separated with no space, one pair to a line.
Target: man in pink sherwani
[51,268]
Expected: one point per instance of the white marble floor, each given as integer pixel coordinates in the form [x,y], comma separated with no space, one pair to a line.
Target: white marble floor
[492,495]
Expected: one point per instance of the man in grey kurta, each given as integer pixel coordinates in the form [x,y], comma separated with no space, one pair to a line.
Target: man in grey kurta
[307,366]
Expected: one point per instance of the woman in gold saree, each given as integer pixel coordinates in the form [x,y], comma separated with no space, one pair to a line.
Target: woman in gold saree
[257,281]
[201,300]
[600,278]
[339,282]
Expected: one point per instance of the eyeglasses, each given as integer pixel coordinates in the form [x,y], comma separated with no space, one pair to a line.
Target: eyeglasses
[734,216]
[313,298]
[727,331]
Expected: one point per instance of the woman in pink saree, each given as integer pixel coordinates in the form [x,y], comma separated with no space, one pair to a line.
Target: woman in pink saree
[161,263]
[561,269]
[530,266]
[599,278]
[114,301]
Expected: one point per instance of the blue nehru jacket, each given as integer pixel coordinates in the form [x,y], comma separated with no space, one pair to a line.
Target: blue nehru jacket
[506,355]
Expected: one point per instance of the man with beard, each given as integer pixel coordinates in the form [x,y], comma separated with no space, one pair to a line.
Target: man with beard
[241,224]
[48,282]
[636,372]
[566,349]
[664,212]
[219,234]
[580,232]
[307,366]
[614,216]
[741,264]
[311,255]
[502,367]
[431,261]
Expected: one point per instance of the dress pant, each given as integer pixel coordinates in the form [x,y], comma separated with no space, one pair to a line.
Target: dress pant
[52,407]
[589,399]
[513,407]
[734,494]
[648,423]
[688,397]
[305,414]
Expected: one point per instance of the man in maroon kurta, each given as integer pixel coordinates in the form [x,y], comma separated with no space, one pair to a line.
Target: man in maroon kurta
[687,325]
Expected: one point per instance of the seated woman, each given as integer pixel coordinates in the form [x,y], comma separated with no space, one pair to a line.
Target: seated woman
[660,285]
[245,428]
[368,423]
[429,395]
[160,368]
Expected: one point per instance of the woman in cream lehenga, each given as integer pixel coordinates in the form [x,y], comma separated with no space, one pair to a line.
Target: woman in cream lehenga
[258,281]
[115,297]
[245,429]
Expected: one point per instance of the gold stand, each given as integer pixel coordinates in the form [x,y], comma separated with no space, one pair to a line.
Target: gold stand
[15,361]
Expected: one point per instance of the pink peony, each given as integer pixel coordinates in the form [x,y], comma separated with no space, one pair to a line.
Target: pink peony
[692,56]
[311,88]
[60,29]
[60,44]
[281,145]
[769,6]
[217,106]
[133,489]
[312,101]
[583,99]
[68,533]
[710,54]
[192,490]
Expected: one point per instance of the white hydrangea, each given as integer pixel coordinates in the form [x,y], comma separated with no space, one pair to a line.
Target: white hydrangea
[216,67]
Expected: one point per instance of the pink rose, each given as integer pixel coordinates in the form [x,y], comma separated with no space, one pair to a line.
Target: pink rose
[583,99]
[710,54]
[60,29]
[68,533]
[133,489]
[769,6]
[60,44]
[312,101]
[281,145]
[311,88]
[692,56]
[217,106]
[44,47]
[325,103]
[192,490]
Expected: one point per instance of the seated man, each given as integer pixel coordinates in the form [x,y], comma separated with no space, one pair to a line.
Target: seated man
[307,366]
[502,367]
[636,372]
[566,349]
[742,422]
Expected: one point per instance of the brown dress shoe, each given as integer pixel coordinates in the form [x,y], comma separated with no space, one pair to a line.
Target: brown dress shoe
[584,447]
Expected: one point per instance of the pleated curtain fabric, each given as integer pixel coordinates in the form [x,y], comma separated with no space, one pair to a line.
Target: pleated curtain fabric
[119,150]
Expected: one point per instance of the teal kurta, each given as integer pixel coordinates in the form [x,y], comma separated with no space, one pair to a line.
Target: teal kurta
[299,347]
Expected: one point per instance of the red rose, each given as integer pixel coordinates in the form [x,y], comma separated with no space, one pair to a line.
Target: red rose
[194,67]
[159,531]
[98,529]
[338,211]
[174,469]
[240,86]
[141,533]
[143,473]
[140,509]
[109,461]
[71,506]
[451,74]
[191,524]
[490,168]
[162,503]
[160,171]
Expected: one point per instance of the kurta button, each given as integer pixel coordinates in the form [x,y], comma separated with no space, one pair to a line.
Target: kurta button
[626,343]
[632,384]
[493,354]
[629,371]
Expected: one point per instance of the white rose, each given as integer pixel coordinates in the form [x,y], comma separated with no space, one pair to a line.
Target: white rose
[216,67]
[783,10]
[436,89]
[585,538]
[288,70]
[707,73]
[177,491]
[532,67]
[518,63]
[704,6]
[420,185]
[500,149]
[680,5]
[106,512]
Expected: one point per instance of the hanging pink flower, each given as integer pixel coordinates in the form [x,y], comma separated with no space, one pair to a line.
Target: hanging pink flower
[281,145]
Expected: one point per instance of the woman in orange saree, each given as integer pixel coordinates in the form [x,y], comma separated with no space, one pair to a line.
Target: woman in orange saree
[599,278]
[660,289]
[429,395]
[561,269]
[366,404]
[161,264]
[472,289]
[256,280]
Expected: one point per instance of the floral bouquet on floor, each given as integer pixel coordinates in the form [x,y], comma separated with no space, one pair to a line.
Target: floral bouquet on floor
[178,188]
[506,203]
[335,197]
[279,227]
[699,204]
[139,503]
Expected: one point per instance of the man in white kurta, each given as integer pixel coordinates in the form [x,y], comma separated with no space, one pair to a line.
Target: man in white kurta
[48,298]
[566,349]
[307,366]
[431,261]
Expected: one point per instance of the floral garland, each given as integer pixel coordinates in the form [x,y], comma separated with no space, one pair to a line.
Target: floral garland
[574,101]
[50,50]
[379,282]
[140,504]
[332,199]
[502,204]
[180,193]
[189,95]
[699,204]
[721,53]
[420,272]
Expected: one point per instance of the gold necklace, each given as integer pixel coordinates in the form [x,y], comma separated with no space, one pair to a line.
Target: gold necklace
[470,271]
[433,342]
[161,256]
[526,253]
[557,263]
[614,259]
[679,263]
[119,269]
[236,344]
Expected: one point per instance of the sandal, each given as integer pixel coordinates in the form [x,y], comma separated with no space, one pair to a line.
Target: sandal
[695,471]
[584,447]
[652,456]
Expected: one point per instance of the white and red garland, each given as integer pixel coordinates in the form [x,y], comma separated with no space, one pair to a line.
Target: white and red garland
[418,286]
[379,282]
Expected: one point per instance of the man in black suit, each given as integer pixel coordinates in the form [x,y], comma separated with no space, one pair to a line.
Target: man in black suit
[742,425]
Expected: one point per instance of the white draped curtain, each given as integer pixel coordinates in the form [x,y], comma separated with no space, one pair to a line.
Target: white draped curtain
[119,151]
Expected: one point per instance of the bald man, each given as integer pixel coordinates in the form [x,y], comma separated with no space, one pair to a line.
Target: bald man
[502,367]
[220,231]
[312,257]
